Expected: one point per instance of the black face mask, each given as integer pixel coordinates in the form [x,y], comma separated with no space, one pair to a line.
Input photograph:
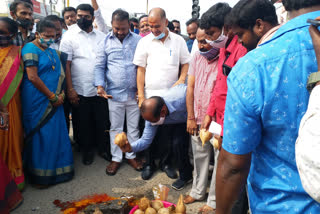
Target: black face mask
[5,40]
[24,23]
[84,23]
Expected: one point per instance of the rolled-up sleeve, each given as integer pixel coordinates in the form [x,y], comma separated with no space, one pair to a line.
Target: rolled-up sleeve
[140,56]
[100,64]
[100,21]
[147,137]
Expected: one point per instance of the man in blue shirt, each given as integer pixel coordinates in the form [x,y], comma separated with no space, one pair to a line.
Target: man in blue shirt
[115,72]
[267,98]
[169,109]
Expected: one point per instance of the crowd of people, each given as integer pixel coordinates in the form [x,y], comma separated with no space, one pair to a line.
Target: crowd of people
[244,69]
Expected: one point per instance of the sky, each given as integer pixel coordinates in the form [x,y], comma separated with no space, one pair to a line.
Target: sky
[175,9]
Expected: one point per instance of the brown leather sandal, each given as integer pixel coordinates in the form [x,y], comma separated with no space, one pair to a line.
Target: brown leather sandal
[112,168]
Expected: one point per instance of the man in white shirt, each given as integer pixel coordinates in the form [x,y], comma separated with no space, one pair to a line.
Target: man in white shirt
[159,56]
[69,15]
[80,43]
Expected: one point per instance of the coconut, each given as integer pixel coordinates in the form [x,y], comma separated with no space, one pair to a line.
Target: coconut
[150,210]
[138,211]
[205,136]
[157,204]
[163,211]
[181,208]
[121,139]
[144,204]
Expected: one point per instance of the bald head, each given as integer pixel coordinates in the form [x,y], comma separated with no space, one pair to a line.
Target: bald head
[201,34]
[158,13]
[151,109]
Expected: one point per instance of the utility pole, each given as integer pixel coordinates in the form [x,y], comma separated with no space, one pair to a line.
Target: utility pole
[147,6]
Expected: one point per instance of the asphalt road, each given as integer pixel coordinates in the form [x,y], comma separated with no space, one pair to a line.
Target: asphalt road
[92,179]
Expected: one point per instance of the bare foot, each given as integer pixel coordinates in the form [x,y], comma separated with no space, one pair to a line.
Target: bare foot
[188,200]
[206,210]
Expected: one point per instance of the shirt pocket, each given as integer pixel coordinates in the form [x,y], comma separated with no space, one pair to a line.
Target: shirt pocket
[173,57]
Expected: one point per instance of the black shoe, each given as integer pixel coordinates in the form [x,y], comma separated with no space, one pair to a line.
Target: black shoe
[171,173]
[147,172]
[180,184]
[106,156]
[87,158]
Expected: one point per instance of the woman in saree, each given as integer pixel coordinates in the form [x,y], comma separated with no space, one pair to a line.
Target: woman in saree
[10,196]
[48,154]
[11,72]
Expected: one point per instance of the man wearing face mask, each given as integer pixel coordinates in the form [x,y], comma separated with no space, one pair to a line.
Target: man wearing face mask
[202,75]
[22,13]
[216,26]
[158,57]
[54,19]
[81,43]
[170,110]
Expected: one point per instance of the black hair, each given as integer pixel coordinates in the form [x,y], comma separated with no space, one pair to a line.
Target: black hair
[53,18]
[62,21]
[14,5]
[141,17]
[177,21]
[28,1]
[214,17]
[86,7]
[170,26]
[246,12]
[68,9]
[193,20]
[11,24]
[43,25]
[158,106]
[120,15]
[299,4]
[133,19]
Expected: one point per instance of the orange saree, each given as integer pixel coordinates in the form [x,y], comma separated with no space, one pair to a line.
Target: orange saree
[11,72]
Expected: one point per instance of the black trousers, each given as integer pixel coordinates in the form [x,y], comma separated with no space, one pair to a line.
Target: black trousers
[242,205]
[92,118]
[171,145]
[180,148]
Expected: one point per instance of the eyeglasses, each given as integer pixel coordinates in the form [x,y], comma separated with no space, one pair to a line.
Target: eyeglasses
[226,69]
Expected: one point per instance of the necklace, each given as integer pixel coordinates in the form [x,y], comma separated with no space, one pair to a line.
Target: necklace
[53,62]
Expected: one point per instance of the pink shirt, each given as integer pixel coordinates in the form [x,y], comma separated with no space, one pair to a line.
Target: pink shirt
[205,74]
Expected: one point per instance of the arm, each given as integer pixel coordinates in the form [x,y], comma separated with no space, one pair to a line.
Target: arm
[183,75]
[72,94]
[210,113]
[32,73]
[4,117]
[231,177]
[147,137]
[192,127]
[98,17]
[140,84]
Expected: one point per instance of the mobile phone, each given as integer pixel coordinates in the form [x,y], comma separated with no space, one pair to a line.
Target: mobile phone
[314,22]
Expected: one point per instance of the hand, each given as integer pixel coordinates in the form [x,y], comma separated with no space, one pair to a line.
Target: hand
[178,83]
[73,97]
[102,93]
[60,101]
[206,122]
[126,147]
[4,120]
[192,127]
[219,139]
[141,99]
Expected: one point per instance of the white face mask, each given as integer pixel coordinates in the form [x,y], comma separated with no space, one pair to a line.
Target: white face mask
[160,121]
[220,42]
